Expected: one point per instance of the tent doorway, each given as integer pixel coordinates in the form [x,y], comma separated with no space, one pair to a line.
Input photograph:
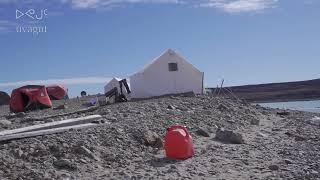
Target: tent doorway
[25,99]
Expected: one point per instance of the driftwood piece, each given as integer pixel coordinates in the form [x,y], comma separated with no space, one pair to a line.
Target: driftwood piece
[56,124]
[45,131]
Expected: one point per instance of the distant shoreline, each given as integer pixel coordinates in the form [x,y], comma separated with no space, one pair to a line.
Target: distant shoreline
[308,90]
[285,101]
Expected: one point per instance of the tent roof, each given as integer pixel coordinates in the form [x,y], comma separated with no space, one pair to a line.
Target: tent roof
[30,86]
[57,85]
[118,79]
[114,78]
[168,51]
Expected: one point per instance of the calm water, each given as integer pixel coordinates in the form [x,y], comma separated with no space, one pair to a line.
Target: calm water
[311,106]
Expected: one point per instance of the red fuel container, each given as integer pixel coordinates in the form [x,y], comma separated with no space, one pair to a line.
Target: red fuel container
[178,143]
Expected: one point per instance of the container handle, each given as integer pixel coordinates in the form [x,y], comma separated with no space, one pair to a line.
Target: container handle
[179,127]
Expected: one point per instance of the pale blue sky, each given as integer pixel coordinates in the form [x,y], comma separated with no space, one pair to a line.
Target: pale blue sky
[242,41]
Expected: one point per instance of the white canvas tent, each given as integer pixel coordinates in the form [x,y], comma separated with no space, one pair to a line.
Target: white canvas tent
[168,74]
[115,83]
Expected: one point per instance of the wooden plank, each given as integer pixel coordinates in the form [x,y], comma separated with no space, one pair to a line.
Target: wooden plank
[56,124]
[46,131]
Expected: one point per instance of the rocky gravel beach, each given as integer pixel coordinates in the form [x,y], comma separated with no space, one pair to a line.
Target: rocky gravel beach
[232,140]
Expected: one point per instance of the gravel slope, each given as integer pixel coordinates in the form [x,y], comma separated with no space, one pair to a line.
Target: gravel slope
[276,147]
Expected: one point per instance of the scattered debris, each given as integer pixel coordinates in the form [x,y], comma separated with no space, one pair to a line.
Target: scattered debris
[91,102]
[16,115]
[283,113]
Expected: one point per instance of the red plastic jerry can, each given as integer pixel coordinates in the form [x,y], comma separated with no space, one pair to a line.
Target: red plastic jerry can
[178,143]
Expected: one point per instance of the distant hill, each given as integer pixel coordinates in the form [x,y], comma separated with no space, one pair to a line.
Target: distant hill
[277,92]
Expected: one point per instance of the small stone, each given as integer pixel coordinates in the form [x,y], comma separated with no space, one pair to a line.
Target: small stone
[202,132]
[222,107]
[273,167]
[21,114]
[83,161]
[262,135]
[288,161]
[183,108]
[65,145]
[5,123]
[49,120]
[231,121]
[255,121]
[60,107]
[171,107]
[64,164]
[229,136]
[189,94]
[299,138]
[141,113]
[64,176]
[89,153]
[105,112]
[19,153]
[113,119]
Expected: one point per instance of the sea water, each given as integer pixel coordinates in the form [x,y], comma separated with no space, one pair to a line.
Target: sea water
[310,106]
